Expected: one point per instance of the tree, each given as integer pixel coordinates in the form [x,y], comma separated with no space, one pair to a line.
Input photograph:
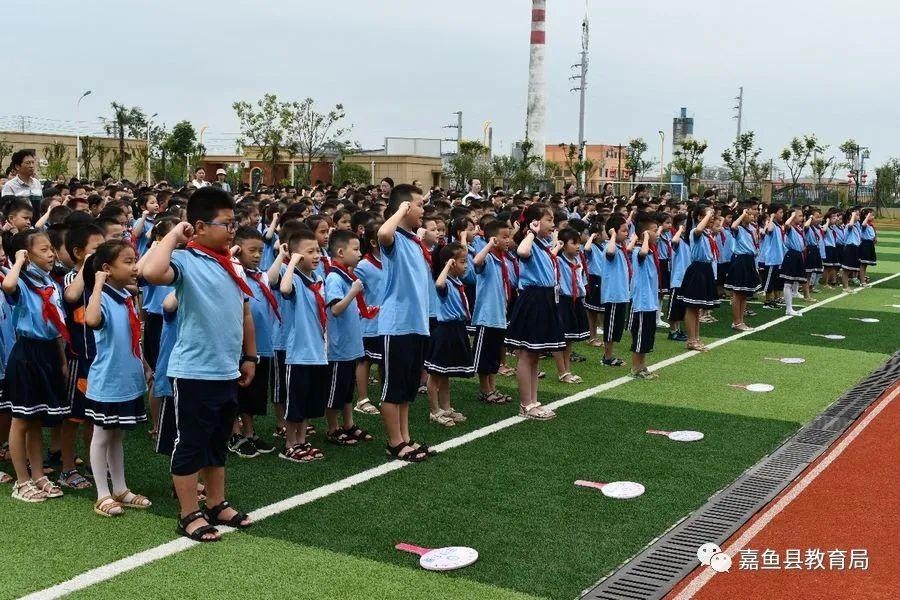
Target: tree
[576,166]
[504,168]
[820,166]
[125,120]
[887,184]
[796,157]
[758,171]
[688,159]
[266,128]
[88,151]
[181,143]
[140,158]
[103,160]
[634,159]
[312,134]
[57,159]
[738,157]
[5,150]
[465,162]
[355,173]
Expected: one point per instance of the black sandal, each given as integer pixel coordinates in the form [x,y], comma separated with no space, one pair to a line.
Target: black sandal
[212,515]
[423,448]
[197,534]
[341,438]
[359,434]
[412,456]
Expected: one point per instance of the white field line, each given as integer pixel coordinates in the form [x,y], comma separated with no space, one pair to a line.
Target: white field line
[110,570]
[751,532]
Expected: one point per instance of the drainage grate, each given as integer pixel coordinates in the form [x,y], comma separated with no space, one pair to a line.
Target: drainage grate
[653,572]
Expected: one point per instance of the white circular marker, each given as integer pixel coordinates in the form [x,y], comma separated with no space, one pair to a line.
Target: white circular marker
[441,559]
[679,436]
[864,319]
[706,552]
[789,360]
[830,336]
[620,490]
[754,387]
[720,563]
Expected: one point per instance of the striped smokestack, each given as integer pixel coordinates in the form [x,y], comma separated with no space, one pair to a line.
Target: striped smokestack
[537,98]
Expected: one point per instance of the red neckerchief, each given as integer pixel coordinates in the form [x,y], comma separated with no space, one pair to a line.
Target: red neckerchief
[374,260]
[223,257]
[461,289]
[50,312]
[135,323]
[266,292]
[573,268]
[365,311]
[326,263]
[655,260]
[515,263]
[627,261]
[582,257]
[713,246]
[782,231]
[553,259]
[722,237]
[799,230]
[423,246]
[316,288]
[753,236]
[504,273]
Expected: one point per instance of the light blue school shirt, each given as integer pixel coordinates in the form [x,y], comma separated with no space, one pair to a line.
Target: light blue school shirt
[280,328]
[831,233]
[210,321]
[269,251]
[538,269]
[153,296]
[345,339]
[304,340]
[512,262]
[868,233]
[264,318]
[852,235]
[595,260]
[725,240]
[566,267]
[742,241]
[407,285]
[701,250]
[663,245]
[794,240]
[490,293]
[451,304]
[116,374]
[645,283]
[162,384]
[616,286]
[143,242]
[681,259]
[771,250]
[370,272]
[28,306]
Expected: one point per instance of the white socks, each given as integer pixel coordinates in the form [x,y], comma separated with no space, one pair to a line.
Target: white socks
[788,297]
[108,457]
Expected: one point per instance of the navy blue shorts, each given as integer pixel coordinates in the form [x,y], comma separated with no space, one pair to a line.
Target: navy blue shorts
[404,360]
[374,348]
[204,414]
[341,384]
[307,387]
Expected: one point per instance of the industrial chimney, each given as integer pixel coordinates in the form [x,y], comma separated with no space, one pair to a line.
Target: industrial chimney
[536,110]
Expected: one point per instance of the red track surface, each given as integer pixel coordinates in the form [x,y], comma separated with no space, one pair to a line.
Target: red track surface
[853,504]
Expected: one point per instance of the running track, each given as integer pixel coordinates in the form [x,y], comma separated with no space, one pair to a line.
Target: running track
[849,498]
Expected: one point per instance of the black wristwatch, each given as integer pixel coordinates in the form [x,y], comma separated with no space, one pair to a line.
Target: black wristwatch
[248,358]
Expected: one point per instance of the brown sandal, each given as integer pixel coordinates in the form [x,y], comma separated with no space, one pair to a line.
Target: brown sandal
[107,506]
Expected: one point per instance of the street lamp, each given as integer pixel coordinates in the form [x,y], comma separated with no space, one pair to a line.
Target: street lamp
[662,145]
[188,158]
[858,154]
[78,136]
[149,121]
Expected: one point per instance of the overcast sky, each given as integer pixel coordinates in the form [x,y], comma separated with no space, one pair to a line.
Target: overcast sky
[401,67]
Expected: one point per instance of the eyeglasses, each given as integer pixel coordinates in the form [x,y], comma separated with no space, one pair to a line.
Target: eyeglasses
[227,226]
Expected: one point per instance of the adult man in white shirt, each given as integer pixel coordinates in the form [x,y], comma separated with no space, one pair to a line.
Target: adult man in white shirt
[25,184]
[199,180]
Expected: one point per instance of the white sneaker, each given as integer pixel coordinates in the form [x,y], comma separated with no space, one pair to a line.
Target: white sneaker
[793,313]
[660,324]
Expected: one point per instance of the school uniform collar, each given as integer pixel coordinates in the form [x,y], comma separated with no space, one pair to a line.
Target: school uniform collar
[306,279]
[410,235]
[37,276]
[120,296]
[454,280]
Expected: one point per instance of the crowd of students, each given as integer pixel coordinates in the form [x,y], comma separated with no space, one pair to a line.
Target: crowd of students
[216,304]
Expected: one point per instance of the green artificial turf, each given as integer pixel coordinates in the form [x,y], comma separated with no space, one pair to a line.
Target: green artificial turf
[485,489]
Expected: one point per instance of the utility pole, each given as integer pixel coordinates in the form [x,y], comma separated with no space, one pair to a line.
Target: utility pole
[458,128]
[582,84]
[740,110]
